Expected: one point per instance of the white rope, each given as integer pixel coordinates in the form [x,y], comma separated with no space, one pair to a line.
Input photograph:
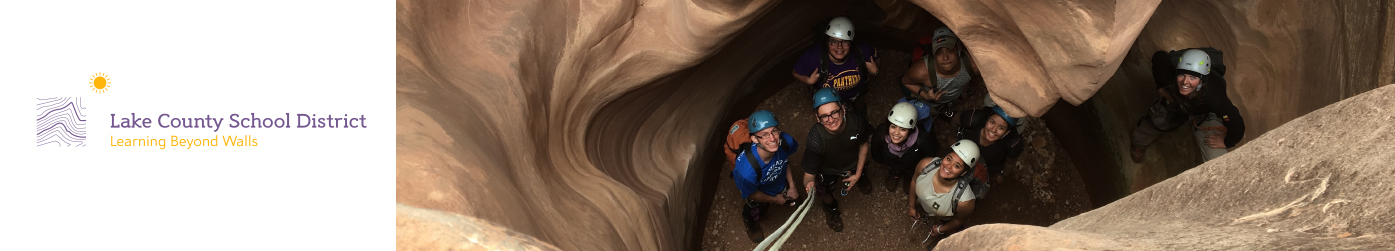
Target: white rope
[786,230]
[805,210]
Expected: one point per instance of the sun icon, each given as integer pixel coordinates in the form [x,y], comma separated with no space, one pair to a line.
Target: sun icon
[100,82]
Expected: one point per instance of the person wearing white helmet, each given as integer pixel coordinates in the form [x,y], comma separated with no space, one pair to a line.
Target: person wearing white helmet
[897,144]
[943,190]
[941,70]
[839,62]
[1191,91]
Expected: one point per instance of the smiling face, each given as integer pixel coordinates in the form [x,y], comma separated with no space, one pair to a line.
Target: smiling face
[838,48]
[898,134]
[830,115]
[951,167]
[994,130]
[947,60]
[768,139]
[1187,83]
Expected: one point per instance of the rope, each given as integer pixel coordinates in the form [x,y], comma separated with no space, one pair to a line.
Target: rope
[788,228]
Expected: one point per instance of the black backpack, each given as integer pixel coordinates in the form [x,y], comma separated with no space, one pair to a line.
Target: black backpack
[967,183]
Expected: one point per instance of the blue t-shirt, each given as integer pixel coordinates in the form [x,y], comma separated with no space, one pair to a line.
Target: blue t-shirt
[842,77]
[772,178]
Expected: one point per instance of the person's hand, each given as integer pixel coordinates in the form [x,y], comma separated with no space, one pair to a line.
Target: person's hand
[852,180]
[1216,140]
[933,231]
[792,194]
[933,95]
[809,186]
[780,200]
[813,77]
[914,215]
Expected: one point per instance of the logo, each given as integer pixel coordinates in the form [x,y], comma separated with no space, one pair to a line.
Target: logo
[733,129]
[61,122]
[100,82]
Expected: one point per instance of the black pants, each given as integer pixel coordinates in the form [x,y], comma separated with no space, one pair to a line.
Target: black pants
[752,211]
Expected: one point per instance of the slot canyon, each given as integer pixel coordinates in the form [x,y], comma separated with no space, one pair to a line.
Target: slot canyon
[597,125]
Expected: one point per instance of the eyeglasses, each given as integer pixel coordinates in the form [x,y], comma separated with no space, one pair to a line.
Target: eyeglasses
[773,132]
[839,42]
[828,118]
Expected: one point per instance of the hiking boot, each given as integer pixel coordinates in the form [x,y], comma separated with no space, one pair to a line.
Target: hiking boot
[864,186]
[1136,153]
[892,182]
[835,217]
[754,231]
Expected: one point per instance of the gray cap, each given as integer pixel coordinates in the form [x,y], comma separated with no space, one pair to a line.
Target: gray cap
[943,38]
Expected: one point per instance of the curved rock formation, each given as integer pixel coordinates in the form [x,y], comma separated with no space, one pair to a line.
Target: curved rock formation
[1320,181]
[499,102]
[1033,52]
[1284,59]
[582,123]
[426,229]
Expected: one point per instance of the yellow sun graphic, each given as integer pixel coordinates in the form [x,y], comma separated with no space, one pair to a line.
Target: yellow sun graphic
[100,82]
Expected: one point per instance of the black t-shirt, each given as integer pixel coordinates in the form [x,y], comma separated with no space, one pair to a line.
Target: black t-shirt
[925,146]
[832,154]
[995,155]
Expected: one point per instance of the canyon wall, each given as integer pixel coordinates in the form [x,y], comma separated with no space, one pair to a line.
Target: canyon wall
[1320,181]
[1283,58]
[584,123]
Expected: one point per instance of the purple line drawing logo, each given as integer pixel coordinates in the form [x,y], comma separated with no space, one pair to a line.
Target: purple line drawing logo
[61,122]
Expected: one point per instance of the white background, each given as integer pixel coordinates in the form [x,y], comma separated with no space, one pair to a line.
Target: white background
[300,188]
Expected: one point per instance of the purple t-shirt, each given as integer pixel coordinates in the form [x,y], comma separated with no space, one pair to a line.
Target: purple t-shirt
[842,77]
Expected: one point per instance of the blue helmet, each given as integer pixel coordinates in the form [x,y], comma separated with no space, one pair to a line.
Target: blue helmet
[1010,120]
[824,96]
[760,120]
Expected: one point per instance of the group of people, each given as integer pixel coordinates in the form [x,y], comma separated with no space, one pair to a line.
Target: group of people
[942,187]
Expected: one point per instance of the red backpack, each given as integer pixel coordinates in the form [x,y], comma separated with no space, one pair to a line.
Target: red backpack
[738,136]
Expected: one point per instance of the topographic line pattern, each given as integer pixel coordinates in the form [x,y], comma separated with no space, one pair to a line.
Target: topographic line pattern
[61,122]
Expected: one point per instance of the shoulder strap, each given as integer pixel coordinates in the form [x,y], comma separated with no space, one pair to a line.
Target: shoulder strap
[823,67]
[856,53]
[751,158]
[926,58]
[755,165]
[958,190]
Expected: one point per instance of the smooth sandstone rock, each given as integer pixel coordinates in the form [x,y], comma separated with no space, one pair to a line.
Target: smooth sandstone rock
[426,229]
[1320,181]
[582,123]
[1032,53]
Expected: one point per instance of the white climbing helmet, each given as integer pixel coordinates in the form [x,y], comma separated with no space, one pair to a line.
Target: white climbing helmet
[903,115]
[967,150]
[841,28]
[1196,61]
